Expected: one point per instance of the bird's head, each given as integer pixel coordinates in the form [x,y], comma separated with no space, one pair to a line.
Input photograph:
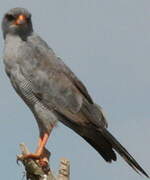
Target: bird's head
[17,21]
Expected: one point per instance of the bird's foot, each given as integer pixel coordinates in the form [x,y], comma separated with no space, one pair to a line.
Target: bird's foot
[41,159]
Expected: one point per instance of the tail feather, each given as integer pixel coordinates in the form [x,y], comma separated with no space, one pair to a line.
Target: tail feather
[123,152]
[103,148]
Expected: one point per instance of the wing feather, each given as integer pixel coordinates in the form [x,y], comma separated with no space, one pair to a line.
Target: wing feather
[56,85]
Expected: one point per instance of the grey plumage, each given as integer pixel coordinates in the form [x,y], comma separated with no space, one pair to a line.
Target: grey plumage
[52,91]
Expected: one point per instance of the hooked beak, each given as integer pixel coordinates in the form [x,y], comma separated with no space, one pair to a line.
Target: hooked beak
[21,19]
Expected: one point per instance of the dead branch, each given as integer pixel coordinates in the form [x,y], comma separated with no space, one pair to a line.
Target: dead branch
[35,172]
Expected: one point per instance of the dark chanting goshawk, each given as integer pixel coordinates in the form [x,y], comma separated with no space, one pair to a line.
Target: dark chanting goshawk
[52,91]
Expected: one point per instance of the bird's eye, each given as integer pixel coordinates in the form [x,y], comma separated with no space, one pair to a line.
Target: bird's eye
[10,17]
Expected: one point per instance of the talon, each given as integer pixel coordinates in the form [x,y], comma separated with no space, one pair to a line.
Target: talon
[43,162]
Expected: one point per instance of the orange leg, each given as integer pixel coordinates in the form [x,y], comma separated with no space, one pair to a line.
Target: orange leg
[41,144]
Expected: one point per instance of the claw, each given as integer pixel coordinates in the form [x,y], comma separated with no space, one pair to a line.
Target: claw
[43,162]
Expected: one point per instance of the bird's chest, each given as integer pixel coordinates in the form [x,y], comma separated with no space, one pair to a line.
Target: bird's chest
[17,51]
[11,54]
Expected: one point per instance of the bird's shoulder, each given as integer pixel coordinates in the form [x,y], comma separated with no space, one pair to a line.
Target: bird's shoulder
[52,64]
[37,43]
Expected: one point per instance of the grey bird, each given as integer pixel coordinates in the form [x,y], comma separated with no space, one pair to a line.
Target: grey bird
[52,91]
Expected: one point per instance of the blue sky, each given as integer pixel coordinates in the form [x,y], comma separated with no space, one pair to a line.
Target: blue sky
[106,43]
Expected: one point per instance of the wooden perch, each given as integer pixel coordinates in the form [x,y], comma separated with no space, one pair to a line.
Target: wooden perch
[35,172]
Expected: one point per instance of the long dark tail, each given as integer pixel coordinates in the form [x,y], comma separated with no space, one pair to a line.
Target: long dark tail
[105,144]
[123,152]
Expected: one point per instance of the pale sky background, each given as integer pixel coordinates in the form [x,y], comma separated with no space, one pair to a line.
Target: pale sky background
[107,44]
